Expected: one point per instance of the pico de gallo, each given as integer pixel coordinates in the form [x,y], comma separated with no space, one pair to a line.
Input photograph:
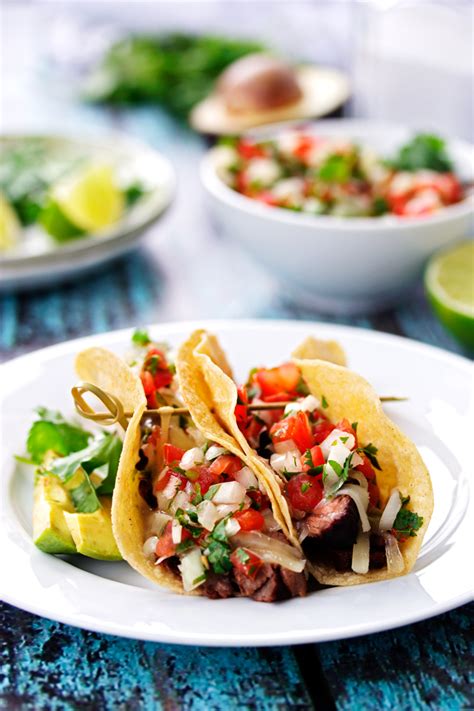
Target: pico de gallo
[209,521]
[319,175]
[328,477]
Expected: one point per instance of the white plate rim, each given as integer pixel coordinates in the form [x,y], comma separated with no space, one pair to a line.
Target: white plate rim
[221,639]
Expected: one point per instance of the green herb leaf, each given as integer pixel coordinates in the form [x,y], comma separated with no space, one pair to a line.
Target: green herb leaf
[211,492]
[52,433]
[354,426]
[242,555]
[425,151]
[218,555]
[301,387]
[140,337]
[336,169]
[370,450]
[407,523]
[305,486]
[84,496]
[324,402]
[104,449]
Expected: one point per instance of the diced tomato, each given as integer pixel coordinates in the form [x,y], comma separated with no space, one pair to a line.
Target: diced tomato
[246,562]
[250,520]
[346,426]
[304,492]
[449,188]
[284,379]
[259,500]
[147,381]
[171,453]
[162,378]
[241,412]
[155,353]
[267,197]
[165,545]
[295,427]
[366,467]
[374,493]
[317,458]
[206,479]
[249,150]
[163,481]
[321,430]
[303,147]
[252,431]
[225,464]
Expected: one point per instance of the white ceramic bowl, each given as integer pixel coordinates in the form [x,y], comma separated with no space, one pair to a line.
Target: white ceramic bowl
[342,265]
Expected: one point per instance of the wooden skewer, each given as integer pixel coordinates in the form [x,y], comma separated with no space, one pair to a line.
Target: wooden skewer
[116,413]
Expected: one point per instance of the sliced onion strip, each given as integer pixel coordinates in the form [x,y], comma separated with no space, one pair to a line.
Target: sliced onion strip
[389,514]
[361,554]
[361,500]
[270,550]
[395,562]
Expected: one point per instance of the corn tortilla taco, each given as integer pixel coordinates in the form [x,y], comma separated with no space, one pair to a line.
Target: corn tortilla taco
[351,486]
[188,512]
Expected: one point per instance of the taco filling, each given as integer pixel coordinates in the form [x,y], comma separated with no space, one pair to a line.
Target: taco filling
[329,477]
[207,518]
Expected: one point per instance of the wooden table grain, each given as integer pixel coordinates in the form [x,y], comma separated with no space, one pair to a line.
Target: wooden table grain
[186,270]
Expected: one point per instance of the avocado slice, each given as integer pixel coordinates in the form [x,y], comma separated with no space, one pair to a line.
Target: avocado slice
[92,532]
[50,530]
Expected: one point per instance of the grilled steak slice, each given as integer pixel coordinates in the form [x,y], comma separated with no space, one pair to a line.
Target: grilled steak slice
[249,587]
[218,586]
[295,583]
[333,523]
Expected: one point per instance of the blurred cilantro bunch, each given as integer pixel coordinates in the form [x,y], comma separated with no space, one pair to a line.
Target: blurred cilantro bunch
[174,70]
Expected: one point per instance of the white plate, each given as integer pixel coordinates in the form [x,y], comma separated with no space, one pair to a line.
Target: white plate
[111,597]
[38,260]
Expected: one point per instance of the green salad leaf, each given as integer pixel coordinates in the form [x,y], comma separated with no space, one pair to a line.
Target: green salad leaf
[52,433]
[103,451]
[174,70]
[425,151]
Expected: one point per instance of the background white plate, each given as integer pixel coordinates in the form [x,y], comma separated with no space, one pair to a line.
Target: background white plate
[111,597]
[38,260]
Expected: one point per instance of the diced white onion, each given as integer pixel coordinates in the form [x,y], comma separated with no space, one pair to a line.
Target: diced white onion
[158,521]
[338,453]
[197,436]
[395,562]
[176,532]
[345,438]
[358,476]
[192,570]
[306,404]
[389,514]
[171,487]
[230,492]
[270,550]
[149,547]
[180,501]
[361,500]
[247,478]
[207,514]
[356,460]
[303,532]
[286,446]
[231,527]
[224,510]
[289,461]
[263,170]
[361,554]
[214,451]
[190,458]
[271,524]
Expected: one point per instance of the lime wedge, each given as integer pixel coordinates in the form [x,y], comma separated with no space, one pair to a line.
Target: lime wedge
[90,198]
[449,283]
[10,227]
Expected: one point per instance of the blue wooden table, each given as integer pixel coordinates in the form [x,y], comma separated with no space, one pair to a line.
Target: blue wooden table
[182,272]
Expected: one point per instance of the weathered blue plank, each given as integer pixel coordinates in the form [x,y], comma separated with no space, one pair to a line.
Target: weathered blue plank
[46,665]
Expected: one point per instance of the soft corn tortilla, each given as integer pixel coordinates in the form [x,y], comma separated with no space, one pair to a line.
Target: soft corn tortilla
[211,396]
[129,510]
[351,397]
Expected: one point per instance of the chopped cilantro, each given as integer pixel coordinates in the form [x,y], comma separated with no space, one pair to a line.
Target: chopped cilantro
[344,439]
[305,486]
[336,169]
[301,387]
[197,496]
[407,523]
[152,364]
[370,450]
[218,555]
[186,519]
[336,467]
[140,337]
[354,426]
[211,492]
[380,206]
[184,545]
[199,579]
[242,555]
[324,402]
[424,152]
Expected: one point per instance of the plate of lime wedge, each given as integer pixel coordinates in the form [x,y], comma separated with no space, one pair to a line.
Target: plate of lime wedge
[70,204]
